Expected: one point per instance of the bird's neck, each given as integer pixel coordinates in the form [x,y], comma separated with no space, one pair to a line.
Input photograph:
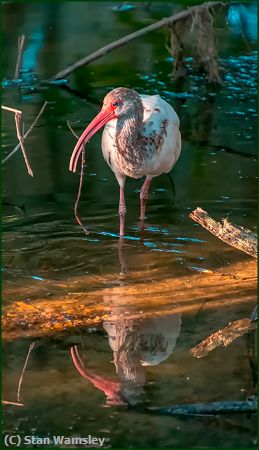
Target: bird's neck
[128,133]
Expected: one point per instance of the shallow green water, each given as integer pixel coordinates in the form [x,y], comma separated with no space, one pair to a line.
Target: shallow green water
[44,248]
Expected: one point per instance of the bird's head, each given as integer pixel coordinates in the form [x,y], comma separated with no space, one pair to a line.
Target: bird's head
[123,102]
[119,103]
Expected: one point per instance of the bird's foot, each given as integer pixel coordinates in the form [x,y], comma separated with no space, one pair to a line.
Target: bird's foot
[122,211]
[142,223]
[122,214]
[121,227]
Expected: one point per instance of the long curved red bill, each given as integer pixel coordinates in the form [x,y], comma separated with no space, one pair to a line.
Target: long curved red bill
[104,116]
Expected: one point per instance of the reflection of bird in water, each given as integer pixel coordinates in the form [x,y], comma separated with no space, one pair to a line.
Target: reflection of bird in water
[141,138]
[135,342]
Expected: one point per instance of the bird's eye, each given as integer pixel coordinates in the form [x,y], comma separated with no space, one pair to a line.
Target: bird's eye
[116,103]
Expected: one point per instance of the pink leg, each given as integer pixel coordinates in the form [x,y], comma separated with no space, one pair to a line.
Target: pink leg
[122,211]
[143,197]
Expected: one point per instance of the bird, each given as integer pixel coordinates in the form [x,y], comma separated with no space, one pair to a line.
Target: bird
[141,137]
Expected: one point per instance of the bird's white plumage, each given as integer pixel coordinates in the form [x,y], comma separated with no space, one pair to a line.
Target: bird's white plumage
[160,122]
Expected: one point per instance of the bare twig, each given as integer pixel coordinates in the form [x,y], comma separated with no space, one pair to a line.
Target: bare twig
[223,337]
[26,134]
[21,40]
[238,237]
[79,193]
[71,129]
[80,182]
[5,402]
[21,139]
[130,37]
[23,370]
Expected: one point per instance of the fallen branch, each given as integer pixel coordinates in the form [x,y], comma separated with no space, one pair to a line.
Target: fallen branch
[238,237]
[215,408]
[130,37]
[27,132]
[223,337]
[84,306]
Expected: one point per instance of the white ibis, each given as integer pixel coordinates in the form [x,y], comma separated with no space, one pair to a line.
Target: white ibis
[141,137]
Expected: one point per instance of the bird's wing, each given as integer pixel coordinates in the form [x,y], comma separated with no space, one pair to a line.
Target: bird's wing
[160,134]
[157,110]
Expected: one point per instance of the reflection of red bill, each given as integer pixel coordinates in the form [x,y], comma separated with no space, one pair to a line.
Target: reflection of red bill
[111,388]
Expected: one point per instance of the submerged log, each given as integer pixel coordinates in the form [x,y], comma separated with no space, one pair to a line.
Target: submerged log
[238,237]
[223,337]
[82,301]
[215,408]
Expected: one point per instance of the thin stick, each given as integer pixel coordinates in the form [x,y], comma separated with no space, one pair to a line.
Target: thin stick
[79,193]
[5,402]
[80,183]
[21,139]
[21,40]
[23,370]
[130,37]
[26,134]
[72,131]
